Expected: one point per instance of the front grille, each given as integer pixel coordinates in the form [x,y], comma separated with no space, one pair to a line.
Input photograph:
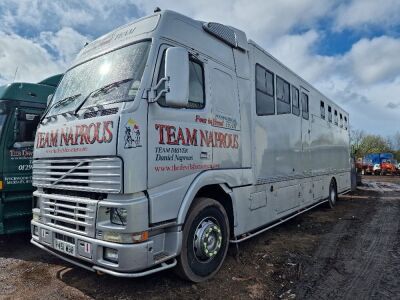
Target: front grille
[100,175]
[72,213]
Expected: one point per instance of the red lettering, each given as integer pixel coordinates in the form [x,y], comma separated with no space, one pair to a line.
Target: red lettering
[171,139]
[160,129]
[191,138]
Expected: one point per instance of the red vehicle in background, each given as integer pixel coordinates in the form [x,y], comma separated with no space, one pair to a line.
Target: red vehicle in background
[389,166]
[365,166]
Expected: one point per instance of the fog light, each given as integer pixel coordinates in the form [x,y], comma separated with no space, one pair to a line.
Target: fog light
[36,214]
[110,255]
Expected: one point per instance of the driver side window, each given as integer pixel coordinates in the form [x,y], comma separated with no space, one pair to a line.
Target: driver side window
[26,127]
[196,84]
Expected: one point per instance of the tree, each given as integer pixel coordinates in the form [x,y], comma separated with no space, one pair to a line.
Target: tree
[356,136]
[374,144]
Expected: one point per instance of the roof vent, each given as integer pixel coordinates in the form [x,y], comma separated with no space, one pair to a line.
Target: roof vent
[222,32]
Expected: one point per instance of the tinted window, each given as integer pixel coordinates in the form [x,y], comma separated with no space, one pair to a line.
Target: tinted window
[196,84]
[304,106]
[295,101]
[330,114]
[322,110]
[265,102]
[282,96]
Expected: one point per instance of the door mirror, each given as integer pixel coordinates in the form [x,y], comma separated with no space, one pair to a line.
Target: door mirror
[177,74]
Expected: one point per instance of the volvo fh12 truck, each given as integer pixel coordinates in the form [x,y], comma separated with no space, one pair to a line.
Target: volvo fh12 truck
[169,138]
[21,105]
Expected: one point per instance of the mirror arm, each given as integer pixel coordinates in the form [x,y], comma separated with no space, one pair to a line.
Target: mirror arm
[152,92]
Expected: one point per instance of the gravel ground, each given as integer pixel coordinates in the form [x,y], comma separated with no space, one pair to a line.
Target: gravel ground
[350,252]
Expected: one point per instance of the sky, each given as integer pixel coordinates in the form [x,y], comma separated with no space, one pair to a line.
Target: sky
[348,49]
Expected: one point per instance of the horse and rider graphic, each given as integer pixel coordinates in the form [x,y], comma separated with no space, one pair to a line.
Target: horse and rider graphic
[132,135]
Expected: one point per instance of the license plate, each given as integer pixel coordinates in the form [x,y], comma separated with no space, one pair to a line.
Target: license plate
[64,247]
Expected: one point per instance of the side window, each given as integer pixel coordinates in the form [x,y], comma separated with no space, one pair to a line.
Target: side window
[282,96]
[295,101]
[26,125]
[322,110]
[304,105]
[265,101]
[345,122]
[196,84]
[341,120]
[329,114]
[336,117]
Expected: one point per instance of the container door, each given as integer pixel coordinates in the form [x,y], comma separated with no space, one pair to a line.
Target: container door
[225,118]
[306,147]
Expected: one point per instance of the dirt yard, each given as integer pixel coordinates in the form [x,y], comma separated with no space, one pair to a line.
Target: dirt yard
[351,252]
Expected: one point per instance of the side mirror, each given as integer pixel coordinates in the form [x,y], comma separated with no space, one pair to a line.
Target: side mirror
[49,98]
[177,74]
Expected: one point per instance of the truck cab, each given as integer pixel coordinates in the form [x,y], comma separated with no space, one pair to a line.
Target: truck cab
[21,106]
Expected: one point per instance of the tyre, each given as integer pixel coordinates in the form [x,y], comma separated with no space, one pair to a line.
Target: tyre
[205,241]
[333,195]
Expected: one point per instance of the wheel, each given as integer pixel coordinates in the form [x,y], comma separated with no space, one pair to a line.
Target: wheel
[205,241]
[333,195]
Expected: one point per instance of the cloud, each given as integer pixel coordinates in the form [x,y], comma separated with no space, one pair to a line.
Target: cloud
[393,105]
[31,59]
[66,42]
[375,60]
[92,17]
[362,14]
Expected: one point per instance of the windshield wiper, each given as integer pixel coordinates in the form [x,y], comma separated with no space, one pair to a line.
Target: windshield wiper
[57,104]
[105,89]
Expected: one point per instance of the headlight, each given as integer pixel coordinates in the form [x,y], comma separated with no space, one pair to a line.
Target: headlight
[118,216]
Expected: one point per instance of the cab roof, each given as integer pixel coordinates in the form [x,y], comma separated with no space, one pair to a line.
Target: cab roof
[30,92]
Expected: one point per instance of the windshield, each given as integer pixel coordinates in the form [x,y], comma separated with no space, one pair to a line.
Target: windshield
[2,121]
[116,66]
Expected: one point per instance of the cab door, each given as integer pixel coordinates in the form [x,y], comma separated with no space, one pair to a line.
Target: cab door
[16,203]
[179,142]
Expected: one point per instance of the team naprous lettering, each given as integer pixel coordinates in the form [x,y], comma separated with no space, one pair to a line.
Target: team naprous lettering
[172,135]
[99,132]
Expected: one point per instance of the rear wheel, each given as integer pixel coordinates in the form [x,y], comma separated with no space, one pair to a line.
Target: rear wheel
[333,195]
[205,241]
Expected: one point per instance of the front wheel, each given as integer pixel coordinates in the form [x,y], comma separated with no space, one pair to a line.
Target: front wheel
[333,195]
[205,241]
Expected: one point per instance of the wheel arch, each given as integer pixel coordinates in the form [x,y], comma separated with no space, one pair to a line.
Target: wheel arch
[216,184]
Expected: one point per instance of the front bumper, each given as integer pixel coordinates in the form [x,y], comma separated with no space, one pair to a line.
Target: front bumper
[134,260]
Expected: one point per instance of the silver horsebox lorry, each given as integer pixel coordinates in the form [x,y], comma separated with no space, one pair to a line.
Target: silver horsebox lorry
[169,138]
